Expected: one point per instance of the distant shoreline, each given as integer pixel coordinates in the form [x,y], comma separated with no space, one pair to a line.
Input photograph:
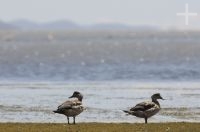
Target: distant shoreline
[98,127]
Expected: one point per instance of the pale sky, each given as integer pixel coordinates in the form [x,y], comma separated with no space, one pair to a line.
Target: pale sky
[133,12]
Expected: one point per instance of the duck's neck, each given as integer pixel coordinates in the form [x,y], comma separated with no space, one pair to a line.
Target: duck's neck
[155,101]
[80,99]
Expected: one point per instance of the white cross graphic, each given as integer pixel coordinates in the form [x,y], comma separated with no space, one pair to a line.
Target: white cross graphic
[186,14]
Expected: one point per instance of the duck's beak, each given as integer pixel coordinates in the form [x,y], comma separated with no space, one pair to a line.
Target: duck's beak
[162,98]
[71,96]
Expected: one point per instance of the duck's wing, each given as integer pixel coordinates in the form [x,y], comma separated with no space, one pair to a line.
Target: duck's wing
[69,104]
[143,106]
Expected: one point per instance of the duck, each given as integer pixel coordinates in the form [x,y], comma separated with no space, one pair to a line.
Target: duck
[146,109]
[72,107]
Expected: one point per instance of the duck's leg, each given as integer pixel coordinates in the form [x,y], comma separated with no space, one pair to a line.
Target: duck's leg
[68,119]
[74,120]
[145,120]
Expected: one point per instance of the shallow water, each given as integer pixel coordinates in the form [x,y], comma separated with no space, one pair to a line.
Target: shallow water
[104,101]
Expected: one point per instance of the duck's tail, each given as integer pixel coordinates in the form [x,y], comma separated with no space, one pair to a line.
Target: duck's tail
[126,111]
[129,112]
[58,111]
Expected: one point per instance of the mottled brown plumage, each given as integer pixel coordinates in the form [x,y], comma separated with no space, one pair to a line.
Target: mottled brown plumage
[71,108]
[146,109]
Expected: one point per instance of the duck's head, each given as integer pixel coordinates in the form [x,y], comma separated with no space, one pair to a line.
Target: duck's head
[78,95]
[156,96]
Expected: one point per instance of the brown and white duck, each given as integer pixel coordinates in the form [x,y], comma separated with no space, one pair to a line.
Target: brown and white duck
[146,109]
[71,108]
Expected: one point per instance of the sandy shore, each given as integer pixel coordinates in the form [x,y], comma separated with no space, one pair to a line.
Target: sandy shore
[99,127]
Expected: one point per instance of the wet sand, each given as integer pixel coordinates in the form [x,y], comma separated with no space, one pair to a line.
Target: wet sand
[34,102]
